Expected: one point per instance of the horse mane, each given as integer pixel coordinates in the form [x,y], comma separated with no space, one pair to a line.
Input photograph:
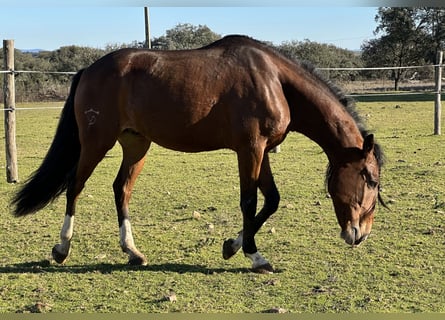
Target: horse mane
[348,104]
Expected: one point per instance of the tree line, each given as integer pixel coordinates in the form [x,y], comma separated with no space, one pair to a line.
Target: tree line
[404,36]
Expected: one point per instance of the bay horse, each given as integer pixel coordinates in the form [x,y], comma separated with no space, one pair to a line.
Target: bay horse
[235,93]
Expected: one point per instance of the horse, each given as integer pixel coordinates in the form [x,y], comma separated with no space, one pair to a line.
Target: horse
[236,93]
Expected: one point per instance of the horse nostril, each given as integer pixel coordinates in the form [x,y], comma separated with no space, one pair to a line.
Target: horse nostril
[356,235]
[355,232]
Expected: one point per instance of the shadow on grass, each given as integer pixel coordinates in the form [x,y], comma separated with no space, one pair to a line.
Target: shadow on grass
[44,266]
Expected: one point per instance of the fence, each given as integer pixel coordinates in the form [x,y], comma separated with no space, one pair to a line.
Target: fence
[9,99]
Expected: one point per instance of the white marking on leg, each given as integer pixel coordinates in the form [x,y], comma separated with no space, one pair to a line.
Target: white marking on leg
[127,244]
[257,259]
[126,236]
[66,234]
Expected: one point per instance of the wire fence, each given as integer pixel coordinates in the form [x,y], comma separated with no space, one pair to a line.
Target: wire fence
[424,86]
[378,68]
[39,72]
[16,72]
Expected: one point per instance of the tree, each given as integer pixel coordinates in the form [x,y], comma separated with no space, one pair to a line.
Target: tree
[405,40]
[46,86]
[434,19]
[116,46]
[74,58]
[185,36]
[323,55]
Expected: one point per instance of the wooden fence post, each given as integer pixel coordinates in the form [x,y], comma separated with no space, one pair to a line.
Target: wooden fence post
[437,104]
[9,100]
[147,28]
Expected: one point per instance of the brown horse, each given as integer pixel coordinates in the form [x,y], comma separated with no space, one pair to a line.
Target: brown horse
[235,93]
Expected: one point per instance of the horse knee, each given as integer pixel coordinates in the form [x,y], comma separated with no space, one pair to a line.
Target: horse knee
[248,205]
[272,201]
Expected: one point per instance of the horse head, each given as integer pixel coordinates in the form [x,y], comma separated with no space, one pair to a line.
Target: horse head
[353,185]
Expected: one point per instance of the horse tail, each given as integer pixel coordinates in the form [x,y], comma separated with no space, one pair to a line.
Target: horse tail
[58,168]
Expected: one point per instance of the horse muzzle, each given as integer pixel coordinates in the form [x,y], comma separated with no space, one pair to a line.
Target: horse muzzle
[353,235]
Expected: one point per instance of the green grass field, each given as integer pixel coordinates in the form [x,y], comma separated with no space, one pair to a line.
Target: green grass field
[400,268]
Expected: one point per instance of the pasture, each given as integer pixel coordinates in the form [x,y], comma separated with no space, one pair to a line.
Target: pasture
[185,205]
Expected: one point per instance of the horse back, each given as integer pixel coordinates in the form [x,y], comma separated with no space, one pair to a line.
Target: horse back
[190,100]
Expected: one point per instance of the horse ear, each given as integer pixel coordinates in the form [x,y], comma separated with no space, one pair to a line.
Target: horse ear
[368,144]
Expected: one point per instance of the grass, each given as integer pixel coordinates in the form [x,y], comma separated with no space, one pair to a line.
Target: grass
[401,268]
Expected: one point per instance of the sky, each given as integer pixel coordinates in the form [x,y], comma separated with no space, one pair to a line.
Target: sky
[50,24]
[51,27]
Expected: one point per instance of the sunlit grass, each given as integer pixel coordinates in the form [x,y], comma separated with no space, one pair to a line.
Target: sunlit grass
[401,268]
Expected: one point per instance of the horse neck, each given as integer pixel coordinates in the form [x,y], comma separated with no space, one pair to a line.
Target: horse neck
[318,114]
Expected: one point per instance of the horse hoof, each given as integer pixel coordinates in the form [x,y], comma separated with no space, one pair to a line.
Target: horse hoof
[57,256]
[263,269]
[228,251]
[138,261]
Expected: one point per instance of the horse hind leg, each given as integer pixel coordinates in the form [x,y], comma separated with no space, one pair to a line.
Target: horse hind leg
[88,160]
[134,147]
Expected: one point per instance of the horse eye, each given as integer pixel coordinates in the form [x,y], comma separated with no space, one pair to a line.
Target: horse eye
[371,183]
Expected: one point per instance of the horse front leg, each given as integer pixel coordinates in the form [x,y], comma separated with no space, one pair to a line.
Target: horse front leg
[136,258]
[254,173]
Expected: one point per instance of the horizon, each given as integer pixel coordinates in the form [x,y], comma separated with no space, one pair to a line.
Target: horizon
[38,50]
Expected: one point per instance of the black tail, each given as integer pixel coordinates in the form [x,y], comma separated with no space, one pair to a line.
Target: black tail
[58,168]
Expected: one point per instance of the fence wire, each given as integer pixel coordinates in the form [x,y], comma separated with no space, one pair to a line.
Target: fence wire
[379,68]
[38,72]
[320,69]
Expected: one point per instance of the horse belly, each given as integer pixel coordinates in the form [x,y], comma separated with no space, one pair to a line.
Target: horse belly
[182,132]
[189,140]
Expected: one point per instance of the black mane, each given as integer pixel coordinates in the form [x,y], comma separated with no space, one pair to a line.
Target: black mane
[348,104]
